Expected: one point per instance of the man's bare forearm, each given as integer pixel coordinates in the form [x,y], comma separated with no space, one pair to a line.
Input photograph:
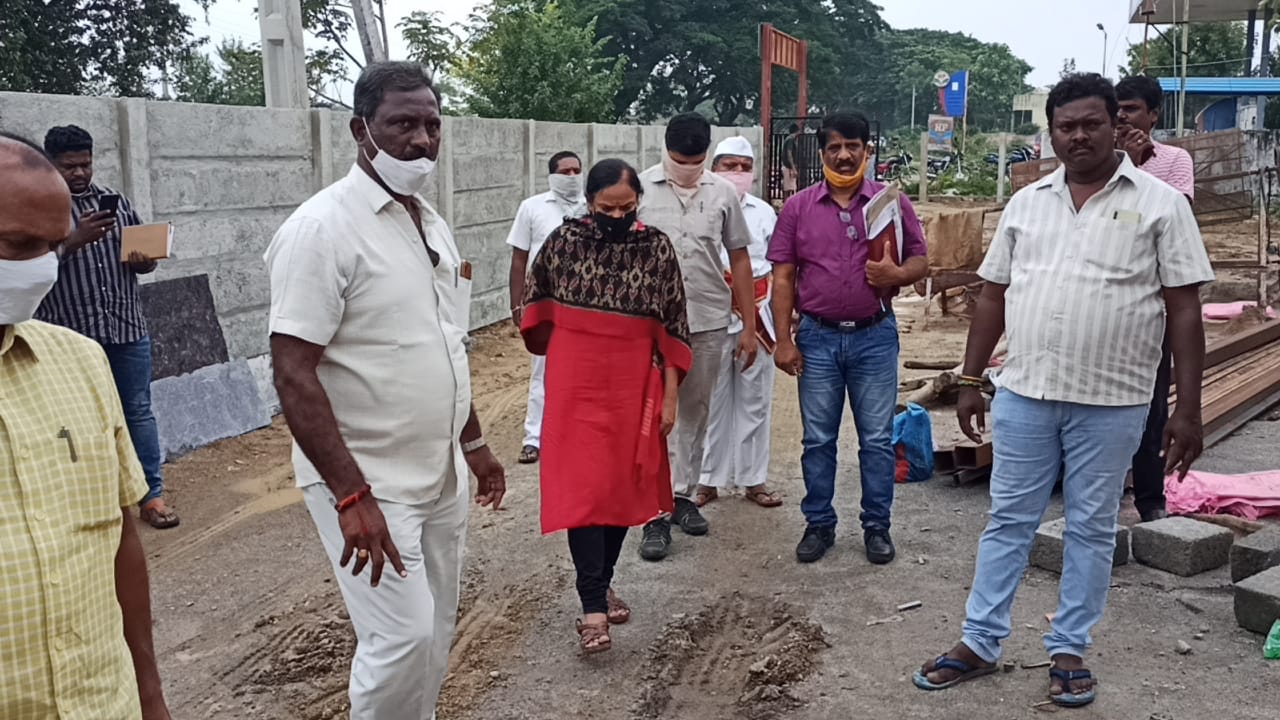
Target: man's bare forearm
[783,300]
[311,420]
[516,277]
[133,593]
[1186,343]
[985,330]
[914,269]
[472,430]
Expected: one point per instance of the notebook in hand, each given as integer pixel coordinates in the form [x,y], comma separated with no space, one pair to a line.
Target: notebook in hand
[154,241]
[883,215]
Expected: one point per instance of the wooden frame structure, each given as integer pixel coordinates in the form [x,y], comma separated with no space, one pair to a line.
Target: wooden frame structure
[779,48]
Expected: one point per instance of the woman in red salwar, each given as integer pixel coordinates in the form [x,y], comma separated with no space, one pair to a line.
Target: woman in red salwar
[605,303]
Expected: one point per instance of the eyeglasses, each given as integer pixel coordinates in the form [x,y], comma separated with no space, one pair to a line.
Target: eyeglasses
[850,231]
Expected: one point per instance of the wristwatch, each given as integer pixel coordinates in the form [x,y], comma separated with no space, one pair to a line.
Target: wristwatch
[477,444]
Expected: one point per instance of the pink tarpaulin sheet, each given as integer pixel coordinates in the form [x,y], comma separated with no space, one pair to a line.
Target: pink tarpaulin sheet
[1230,311]
[1248,496]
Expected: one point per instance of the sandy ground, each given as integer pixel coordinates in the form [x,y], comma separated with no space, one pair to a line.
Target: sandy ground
[249,623]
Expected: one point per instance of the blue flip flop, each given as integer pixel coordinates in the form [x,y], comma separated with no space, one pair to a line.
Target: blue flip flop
[967,672]
[1068,699]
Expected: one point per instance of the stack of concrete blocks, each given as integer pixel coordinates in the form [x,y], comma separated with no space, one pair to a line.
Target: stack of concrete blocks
[1046,552]
[227,177]
[1255,570]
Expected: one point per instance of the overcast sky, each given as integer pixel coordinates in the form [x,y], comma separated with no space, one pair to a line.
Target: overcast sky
[1044,37]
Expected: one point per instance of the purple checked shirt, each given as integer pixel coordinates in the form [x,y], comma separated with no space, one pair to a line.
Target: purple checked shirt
[831,273]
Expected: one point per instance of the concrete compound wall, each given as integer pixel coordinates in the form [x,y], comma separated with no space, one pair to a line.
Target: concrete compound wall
[227,177]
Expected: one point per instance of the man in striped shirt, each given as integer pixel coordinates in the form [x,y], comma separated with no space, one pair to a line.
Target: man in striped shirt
[1084,269]
[1140,100]
[97,296]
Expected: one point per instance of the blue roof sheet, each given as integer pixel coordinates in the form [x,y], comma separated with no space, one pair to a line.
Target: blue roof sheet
[1223,85]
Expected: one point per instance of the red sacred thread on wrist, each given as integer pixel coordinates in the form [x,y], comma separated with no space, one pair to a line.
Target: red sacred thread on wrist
[354,498]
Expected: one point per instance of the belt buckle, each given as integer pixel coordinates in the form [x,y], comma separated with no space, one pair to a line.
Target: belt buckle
[848,325]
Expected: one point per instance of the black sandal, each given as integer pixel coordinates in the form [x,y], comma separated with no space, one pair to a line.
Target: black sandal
[529,455]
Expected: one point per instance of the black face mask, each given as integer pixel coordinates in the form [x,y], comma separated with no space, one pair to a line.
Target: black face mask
[614,229]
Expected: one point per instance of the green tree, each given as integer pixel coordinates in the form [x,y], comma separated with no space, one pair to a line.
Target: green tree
[78,46]
[691,54]
[529,60]
[237,81]
[913,57]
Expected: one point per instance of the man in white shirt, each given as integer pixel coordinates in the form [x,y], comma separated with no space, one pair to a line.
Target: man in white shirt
[737,452]
[536,219]
[367,345]
[700,212]
[1084,269]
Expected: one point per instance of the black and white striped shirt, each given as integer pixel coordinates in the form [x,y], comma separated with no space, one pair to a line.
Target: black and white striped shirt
[96,294]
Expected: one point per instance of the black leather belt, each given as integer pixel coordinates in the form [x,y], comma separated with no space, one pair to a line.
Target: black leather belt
[851,325]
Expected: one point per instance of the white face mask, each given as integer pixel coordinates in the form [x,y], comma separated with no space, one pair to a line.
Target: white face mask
[23,285]
[566,188]
[403,177]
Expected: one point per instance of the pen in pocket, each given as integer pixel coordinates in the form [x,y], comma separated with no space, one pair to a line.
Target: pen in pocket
[65,434]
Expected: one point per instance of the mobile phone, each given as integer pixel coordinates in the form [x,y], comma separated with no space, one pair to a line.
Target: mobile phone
[109,203]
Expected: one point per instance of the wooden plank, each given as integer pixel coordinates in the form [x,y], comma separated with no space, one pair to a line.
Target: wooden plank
[972,475]
[972,457]
[1226,348]
[944,461]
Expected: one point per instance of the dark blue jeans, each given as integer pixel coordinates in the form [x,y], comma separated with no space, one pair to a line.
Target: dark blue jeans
[131,366]
[862,365]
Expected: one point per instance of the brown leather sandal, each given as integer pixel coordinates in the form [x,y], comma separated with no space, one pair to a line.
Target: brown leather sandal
[619,612]
[764,498]
[160,520]
[593,637]
[705,495]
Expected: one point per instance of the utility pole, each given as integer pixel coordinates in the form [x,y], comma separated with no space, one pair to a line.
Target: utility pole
[284,59]
[367,28]
[913,107]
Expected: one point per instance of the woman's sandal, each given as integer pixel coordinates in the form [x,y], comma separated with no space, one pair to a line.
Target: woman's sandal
[619,612]
[593,637]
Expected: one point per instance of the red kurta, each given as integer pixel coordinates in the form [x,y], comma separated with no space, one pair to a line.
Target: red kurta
[608,318]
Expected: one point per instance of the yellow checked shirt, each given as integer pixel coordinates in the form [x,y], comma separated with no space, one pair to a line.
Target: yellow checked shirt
[66,468]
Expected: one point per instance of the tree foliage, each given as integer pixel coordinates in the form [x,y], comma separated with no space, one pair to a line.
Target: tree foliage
[913,57]
[238,81]
[114,47]
[528,59]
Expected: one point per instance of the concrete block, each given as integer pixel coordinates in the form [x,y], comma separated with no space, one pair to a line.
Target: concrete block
[246,332]
[468,136]
[205,406]
[31,116]
[1181,545]
[482,207]
[1255,553]
[193,130]
[1257,601]
[211,234]
[1046,552]
[184,186]
[262,373]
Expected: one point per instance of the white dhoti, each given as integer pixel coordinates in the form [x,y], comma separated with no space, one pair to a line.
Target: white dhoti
[404,627]
[737,449]
[537,400]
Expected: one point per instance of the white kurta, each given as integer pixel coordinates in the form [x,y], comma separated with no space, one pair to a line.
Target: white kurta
[350,272]
[737,451]
[536,219]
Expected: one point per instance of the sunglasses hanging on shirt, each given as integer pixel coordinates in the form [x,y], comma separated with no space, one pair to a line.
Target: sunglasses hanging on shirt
[850,231]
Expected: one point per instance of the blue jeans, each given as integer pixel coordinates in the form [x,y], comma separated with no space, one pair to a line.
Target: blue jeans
[1033,438]
[864,366]
[131,366]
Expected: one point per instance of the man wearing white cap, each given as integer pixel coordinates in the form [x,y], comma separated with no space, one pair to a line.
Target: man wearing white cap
[737,449]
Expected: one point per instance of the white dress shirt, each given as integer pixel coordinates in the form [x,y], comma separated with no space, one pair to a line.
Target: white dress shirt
[349,271]
[537,218]
[761,220]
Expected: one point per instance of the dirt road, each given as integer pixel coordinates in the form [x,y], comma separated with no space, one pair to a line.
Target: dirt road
[249,623]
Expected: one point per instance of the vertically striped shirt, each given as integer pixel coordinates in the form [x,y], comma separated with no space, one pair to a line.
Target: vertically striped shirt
[1084,314]
[96,294]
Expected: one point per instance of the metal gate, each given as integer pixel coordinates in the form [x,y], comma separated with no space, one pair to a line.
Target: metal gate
[795,156]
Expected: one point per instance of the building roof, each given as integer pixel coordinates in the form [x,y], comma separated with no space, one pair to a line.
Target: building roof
[1226,86]
[1202,11]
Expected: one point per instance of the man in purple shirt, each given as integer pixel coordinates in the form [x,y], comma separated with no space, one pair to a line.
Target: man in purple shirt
[847,340]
